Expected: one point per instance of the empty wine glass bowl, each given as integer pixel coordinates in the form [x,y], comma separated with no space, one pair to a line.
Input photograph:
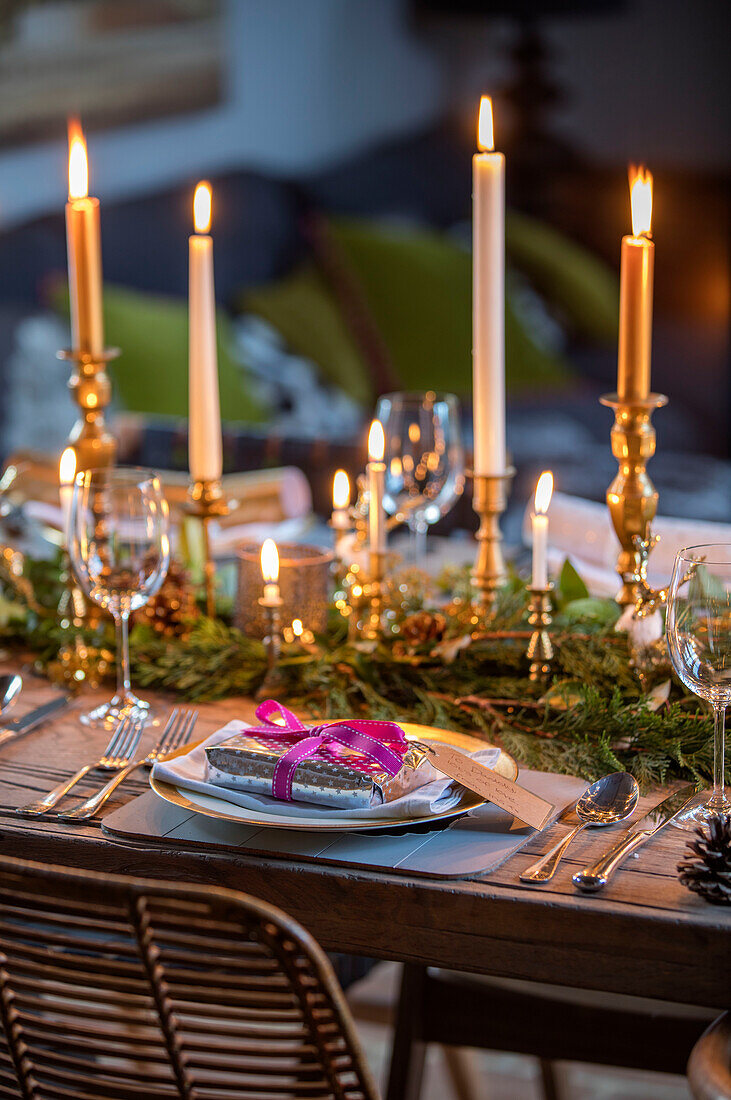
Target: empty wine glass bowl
[424,459]
[120,551]
[699,642]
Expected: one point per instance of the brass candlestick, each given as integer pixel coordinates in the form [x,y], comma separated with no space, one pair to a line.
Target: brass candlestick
[273,644]
[540,646]
[205,500]
[632,498]
[89,384]
[489,499]
[372,628]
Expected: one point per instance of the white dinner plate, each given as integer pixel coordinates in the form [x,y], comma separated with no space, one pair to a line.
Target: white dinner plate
[305,818]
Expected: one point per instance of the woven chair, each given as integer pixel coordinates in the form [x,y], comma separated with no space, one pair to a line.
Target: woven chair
[127,989]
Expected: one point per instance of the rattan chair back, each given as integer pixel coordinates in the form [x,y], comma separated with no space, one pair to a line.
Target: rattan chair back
[131,989]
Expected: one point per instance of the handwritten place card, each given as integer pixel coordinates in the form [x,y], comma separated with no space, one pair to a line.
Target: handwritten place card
[495,788]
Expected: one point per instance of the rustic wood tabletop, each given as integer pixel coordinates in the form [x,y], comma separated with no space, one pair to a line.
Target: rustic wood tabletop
[644,935]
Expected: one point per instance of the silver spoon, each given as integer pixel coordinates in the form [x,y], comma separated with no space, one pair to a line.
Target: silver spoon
[611,799]
[9,691]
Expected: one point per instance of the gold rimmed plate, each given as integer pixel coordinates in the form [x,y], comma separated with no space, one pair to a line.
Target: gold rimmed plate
[305,817]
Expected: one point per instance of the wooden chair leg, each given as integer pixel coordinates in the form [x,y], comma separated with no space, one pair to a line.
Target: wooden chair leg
[409,1050]
[460,1065]
[548,1078]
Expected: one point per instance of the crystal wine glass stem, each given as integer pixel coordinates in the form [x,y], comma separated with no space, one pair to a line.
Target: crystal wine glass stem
[718,799]
[419,529]
[123,678]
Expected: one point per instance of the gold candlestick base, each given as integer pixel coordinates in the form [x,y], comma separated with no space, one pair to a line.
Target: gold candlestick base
[540,646]
[89,384]
[489,499]
[205,501]
[372,628]
[632,498]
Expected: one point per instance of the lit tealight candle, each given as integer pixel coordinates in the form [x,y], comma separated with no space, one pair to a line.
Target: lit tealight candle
[539,523]
[635,294]
[66,475]
[376,472]
[270,573]
[204,430]
[341,500]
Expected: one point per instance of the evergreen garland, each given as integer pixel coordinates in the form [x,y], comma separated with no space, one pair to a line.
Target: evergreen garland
[592,719]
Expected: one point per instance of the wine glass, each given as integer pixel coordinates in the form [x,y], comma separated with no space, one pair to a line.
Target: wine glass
[699,641]
[120,551]
[424,460]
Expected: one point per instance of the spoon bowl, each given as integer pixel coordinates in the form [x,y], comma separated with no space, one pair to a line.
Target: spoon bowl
[10,688]
[610,800]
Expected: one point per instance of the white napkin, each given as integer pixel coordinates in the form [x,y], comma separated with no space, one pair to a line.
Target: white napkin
[582,531]
[189,772]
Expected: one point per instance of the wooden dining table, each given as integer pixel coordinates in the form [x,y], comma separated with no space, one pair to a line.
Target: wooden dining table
[644,935]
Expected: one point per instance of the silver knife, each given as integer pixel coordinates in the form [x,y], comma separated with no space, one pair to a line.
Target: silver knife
[29,721]
[597,875]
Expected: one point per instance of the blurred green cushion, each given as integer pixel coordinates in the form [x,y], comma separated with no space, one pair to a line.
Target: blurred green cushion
[302,309]
[151,374]
[417,285]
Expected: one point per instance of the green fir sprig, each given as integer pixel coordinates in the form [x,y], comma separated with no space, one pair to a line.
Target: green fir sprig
[591,719]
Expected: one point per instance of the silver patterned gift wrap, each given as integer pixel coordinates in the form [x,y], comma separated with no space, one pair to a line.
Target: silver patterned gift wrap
[336,776]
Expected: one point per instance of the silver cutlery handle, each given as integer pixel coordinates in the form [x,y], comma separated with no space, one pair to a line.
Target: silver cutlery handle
[597,875]
[43,805]
[545,868]
[86,809]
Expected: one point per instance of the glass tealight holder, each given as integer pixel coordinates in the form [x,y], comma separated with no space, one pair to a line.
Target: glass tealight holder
[305,587]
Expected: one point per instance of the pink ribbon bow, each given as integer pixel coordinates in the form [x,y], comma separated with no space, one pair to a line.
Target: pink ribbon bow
[371,738]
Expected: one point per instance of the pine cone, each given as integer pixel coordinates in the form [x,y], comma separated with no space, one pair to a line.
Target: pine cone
[172,608]
[706,870]
[423,626]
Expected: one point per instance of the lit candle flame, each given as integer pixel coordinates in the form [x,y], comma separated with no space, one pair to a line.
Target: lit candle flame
[640,189]
[270,562]
[485,128]
[544,492]
[202,207]
[297,628]
[341,490]
[376,442]
[67,467]
[78,163]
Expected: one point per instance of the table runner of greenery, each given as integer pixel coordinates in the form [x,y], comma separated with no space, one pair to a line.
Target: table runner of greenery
[596,715]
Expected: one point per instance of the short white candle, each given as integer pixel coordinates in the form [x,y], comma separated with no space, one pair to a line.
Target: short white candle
[539,523]
[66,475]
[341,500]
[270,573]
[204,411]
[376,472]
[488,299]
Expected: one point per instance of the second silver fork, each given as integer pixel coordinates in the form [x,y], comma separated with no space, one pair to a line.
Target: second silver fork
[118,753]
[177,732]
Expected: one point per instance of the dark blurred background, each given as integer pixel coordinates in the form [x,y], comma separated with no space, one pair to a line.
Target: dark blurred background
[338,136]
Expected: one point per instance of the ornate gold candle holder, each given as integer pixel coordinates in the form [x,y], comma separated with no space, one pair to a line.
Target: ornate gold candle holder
[271,607]
[632,498]
[540,646]
[372,627]
[206,501]
[489,500]
[91,389]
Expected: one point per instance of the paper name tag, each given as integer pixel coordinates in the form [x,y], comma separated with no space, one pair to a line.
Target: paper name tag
[495,788]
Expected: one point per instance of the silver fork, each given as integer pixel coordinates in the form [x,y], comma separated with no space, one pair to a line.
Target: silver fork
[177,732]
[118,753]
